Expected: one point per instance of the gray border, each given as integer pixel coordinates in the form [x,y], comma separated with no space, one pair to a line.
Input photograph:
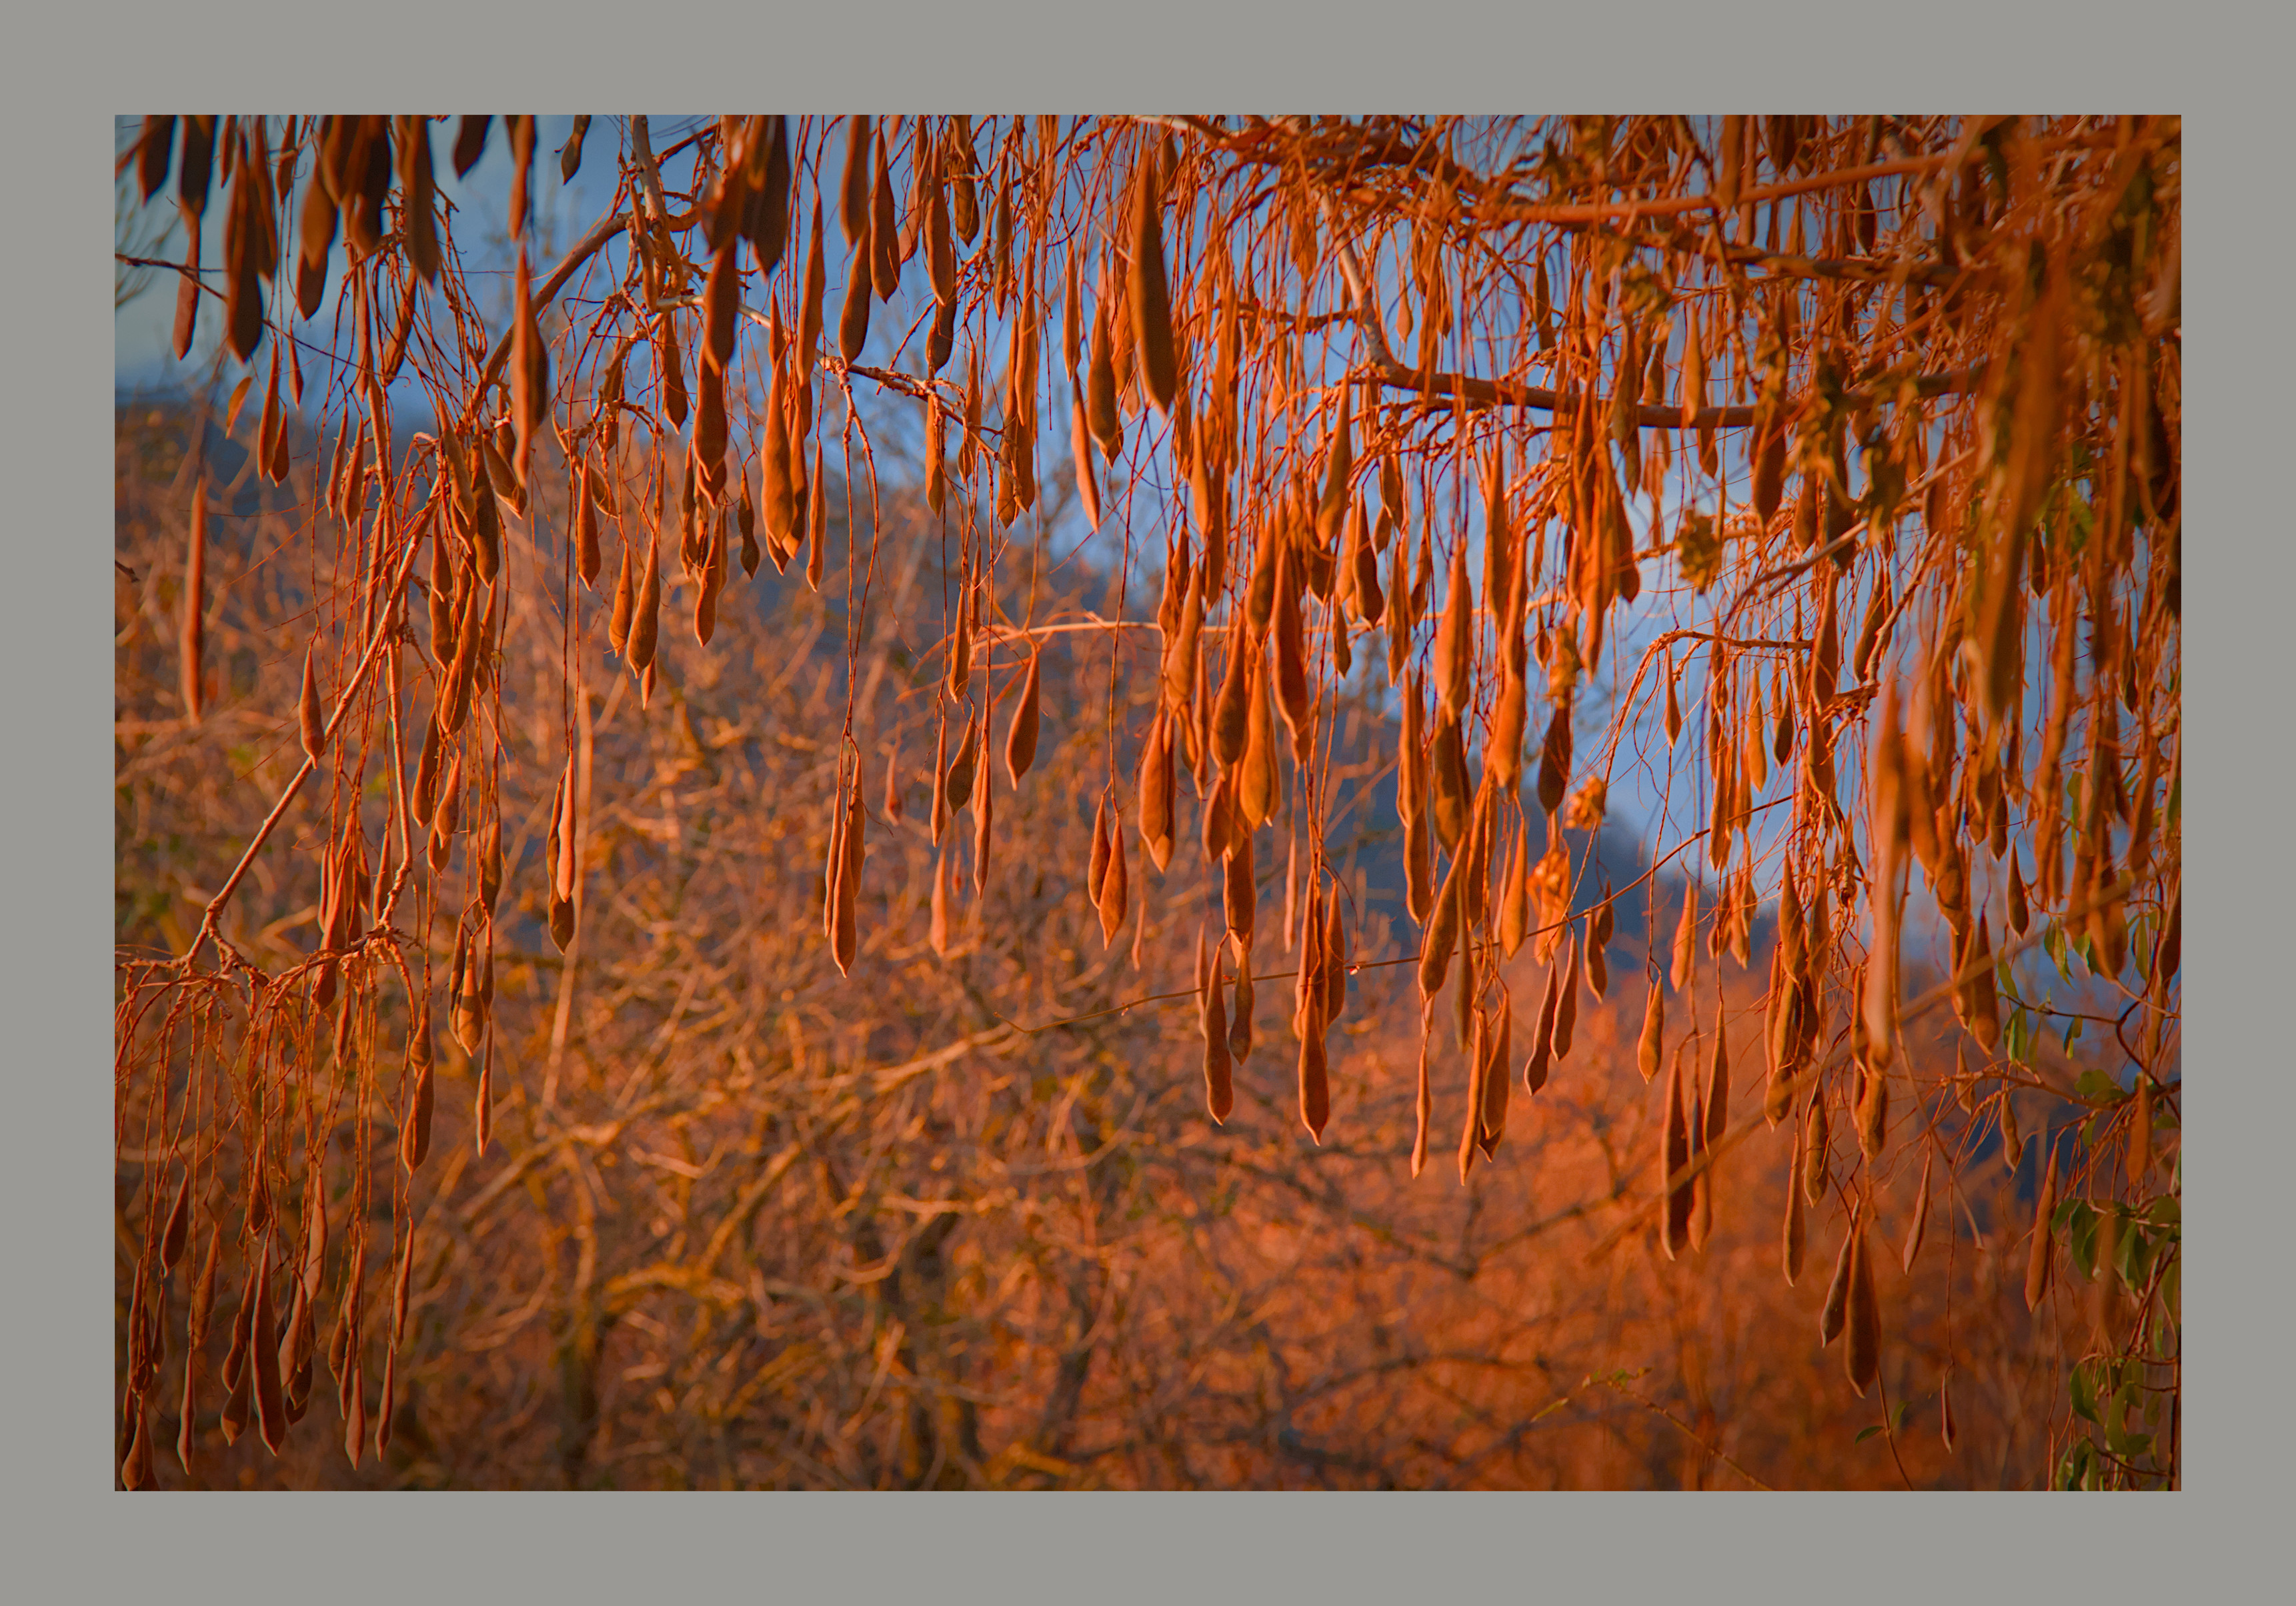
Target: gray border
[71,72]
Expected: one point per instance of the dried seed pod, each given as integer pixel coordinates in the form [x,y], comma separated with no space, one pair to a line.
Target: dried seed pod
[1873,1111]
[1542,1045]
[2041,1261]
[1156,790]
[884,234]
[1258,792]
[1862,1353]
[1151,306]
[1315,1085]
[263,1366]
[1478,1070]
[173,1235]
[852,848]
[1797,1231]
[938,930]
[1114,888]
[1685,939]
[854,208]
[414,1138]
[1080,452]
[1219,1088]
[645,621]
[1238,1026]
[1566,999]
[1815,1162]
[1648,1046]
[1919,1228]
[1514,893]
[1835,1312]
[1020,739]
[1239,896]
[1718,1085]
[1097,872]
[853,321]
[940,810]
[1674,1155]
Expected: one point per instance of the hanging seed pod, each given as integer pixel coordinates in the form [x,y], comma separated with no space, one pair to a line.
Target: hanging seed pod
[1717,1085]
[263,1365]
[1219,1087]
[1835,1314]
[645,624]
[938,933]
[1477,1087]
[1797,1229]
[625,608]
[1080,453]
[2041,1261]
[1151,306]
[1535,1068]
[1674,1155]
[1238,895]
[893,805]
[415,1138]
[884,236]
[1514,893]
[1020,739]
[1816,1163]
[818,530]
[853,846]
[309,715]
[957,784]
[1648,1046]
[853,321]
[1873,1113]
[1862,1353]
[1919,1227]
[1258,792]
[1555,760]
[853,198]
[1096,871]
[1315,1085]
[1449,787]
[1156,790]
[179,1218]
[1566,1001]
[1442,934]
[1239,1028]
[1114,888]
[1685,939]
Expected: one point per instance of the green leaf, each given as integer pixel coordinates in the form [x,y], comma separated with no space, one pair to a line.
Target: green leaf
[1863,1433]
[2099,1088]
[2072,1032]
[2134,1261]
[2082,1241]
[2083,1392]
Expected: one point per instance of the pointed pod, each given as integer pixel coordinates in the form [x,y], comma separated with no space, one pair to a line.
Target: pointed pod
[1151,304]
[1020,739]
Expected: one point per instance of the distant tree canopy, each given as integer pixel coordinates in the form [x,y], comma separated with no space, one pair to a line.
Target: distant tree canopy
[1829,468]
